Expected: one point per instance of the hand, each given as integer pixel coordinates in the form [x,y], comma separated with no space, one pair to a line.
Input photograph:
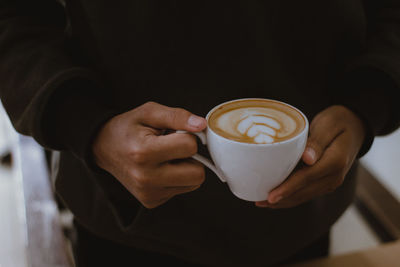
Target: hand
[335,138]
[132,148]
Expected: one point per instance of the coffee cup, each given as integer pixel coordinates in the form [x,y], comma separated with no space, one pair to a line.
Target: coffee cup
[254,144]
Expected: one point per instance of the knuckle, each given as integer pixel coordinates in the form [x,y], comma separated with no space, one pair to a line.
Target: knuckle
[140,178]
[177,114]
[146,108]
[191,146]
[146,199]
[143,107]
[139,154]
[200,175]
[149,105]
[152,202]
[148,204]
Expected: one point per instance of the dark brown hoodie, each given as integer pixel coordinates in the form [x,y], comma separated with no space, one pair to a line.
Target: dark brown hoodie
[66,69]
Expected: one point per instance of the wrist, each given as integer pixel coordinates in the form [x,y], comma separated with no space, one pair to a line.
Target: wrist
[363,128]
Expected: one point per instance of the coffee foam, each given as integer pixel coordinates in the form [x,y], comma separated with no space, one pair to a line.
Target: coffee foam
[259,122]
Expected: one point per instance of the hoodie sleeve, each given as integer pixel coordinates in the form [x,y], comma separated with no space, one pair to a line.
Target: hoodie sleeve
[46,93]
[372,79]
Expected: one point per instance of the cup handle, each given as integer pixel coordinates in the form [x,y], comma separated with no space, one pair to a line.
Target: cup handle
[208,163]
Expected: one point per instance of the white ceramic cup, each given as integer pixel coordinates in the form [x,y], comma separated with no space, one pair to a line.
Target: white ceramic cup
[252,170]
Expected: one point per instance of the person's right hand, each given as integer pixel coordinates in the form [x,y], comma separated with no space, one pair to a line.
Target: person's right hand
[133,149]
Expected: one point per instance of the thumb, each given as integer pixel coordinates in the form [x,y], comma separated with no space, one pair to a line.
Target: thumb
[322,134]
[163,117]
[310,156]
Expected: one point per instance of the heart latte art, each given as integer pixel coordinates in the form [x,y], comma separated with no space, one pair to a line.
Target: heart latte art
[257,121]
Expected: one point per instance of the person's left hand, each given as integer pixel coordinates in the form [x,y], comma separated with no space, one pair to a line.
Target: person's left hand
[335,138]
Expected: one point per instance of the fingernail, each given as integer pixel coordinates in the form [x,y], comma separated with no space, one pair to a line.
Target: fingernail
[312,155]
[195,121]
[263,204]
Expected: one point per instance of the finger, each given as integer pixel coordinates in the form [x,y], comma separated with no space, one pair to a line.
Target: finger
[153,203]
[331,162]
[307,193]
[188,173]
[323,130]
[162,117]
[182,189]
[169,147]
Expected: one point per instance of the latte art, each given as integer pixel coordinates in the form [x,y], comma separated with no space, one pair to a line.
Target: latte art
[259,127]
[262,125]
[255,121]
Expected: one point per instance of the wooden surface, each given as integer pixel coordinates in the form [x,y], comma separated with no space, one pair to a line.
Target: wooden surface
[378,205]
[387,255]
[46,242]
[381,210]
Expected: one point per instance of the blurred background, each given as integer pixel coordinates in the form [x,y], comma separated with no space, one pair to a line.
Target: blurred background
[36,231]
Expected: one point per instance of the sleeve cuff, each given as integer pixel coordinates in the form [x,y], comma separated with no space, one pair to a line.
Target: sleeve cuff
[74,115]
[369,94]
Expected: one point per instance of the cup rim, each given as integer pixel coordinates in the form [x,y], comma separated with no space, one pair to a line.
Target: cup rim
[306,126]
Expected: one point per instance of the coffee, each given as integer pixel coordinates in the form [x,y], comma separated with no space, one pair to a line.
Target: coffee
[254,144]
[256,121]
